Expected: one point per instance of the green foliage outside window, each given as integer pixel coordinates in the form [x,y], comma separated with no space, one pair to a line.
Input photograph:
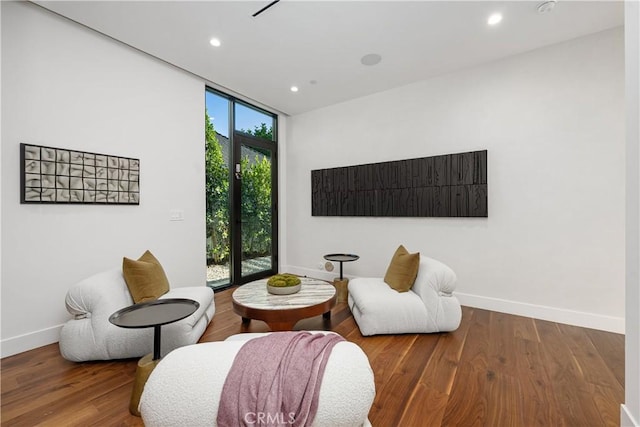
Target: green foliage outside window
[217,194]
[261,131]
[256,206]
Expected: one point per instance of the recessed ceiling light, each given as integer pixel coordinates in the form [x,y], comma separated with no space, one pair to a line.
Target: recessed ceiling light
[371,59]
[494,19]
[294,88]
[214,42]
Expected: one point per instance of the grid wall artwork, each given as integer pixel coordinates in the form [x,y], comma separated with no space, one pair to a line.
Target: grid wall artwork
[56,175]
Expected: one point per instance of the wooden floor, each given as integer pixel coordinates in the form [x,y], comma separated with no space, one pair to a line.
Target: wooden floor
[495,370]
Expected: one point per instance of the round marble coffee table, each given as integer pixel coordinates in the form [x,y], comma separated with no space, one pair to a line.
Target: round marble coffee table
[282,312]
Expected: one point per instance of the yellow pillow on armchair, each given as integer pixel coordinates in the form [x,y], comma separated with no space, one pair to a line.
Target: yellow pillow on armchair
[403,270]
[145,278]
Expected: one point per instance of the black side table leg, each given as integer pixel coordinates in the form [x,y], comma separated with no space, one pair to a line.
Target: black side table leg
[156,342]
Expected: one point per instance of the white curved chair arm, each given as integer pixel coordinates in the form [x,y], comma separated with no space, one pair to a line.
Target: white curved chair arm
[99,295]
[434,277]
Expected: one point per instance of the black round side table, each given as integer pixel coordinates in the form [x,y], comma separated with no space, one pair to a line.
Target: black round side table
[341,284]
[154,313]
[341,258]
[145,315]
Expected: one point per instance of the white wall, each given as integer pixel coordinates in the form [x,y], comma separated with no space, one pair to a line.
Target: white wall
[0,181]
[65,86]
[552,121]
[630,411]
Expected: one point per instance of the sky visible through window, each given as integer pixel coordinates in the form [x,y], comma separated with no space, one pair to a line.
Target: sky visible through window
[246,118]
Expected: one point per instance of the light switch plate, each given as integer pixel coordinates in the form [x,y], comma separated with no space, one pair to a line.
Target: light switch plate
[176,215]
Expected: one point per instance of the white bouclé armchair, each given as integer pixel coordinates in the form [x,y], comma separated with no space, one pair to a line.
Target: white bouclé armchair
[429,306]
[90,335]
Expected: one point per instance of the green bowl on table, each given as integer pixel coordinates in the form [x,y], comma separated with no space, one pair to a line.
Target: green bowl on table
[283,284]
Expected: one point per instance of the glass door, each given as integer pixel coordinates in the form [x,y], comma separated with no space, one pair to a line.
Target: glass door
[256,225]
[241,191]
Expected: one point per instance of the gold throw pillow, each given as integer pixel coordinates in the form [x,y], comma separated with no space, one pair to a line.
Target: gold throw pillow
[402,270]
[145,278]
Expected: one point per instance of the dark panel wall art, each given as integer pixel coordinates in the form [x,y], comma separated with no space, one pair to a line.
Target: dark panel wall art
[452,185]
[56,175]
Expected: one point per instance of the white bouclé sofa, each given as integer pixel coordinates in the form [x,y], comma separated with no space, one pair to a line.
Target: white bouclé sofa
[429,306]
[90,335]
[185,388]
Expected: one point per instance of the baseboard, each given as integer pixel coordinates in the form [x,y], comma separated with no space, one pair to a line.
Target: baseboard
[553,314]
[626,419]
[25,342]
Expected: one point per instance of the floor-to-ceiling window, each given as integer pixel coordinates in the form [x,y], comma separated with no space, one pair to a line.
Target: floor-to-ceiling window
[241,191]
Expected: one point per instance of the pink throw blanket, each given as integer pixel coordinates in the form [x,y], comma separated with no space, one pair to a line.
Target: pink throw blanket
[275,380]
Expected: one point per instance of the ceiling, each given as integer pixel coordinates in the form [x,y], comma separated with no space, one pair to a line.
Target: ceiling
[317,45]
